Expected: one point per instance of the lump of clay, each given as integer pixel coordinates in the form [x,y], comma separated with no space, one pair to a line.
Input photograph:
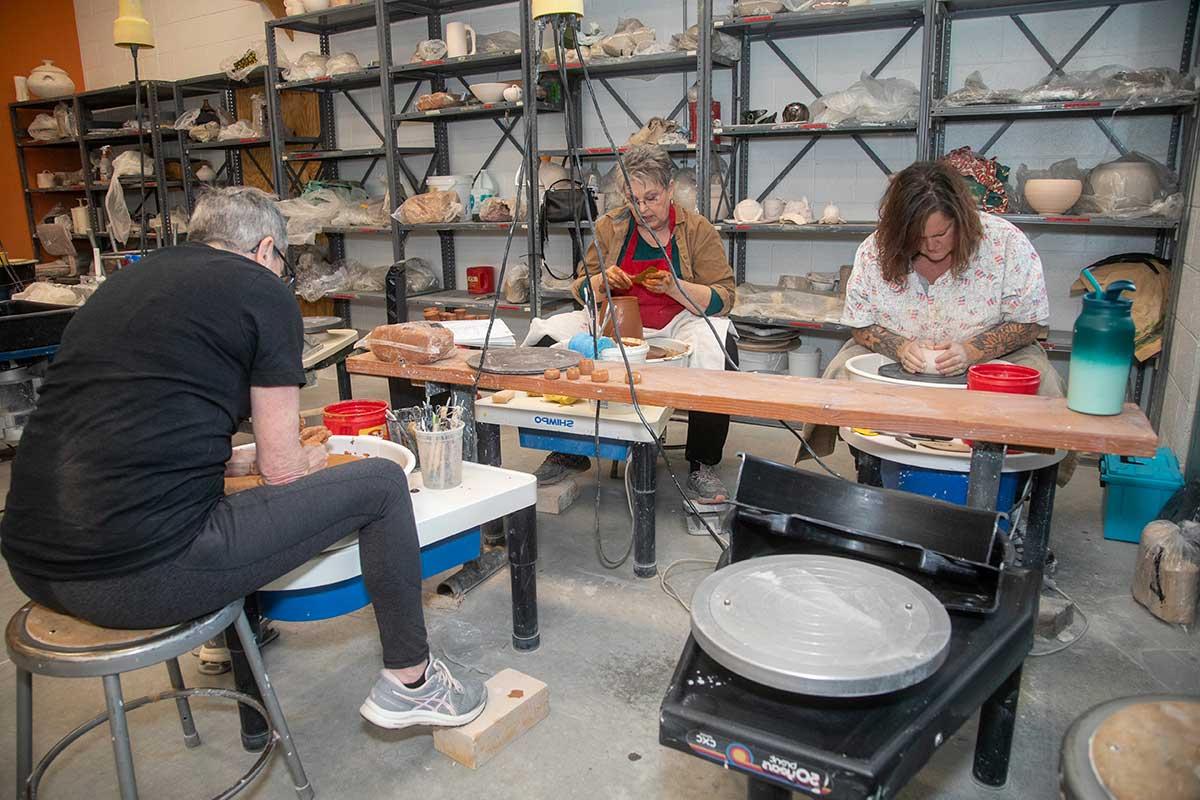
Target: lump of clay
[831,215]
[411,343]
[432,207]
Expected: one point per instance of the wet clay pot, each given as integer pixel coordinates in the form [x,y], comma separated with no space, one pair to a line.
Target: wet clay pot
[627,314]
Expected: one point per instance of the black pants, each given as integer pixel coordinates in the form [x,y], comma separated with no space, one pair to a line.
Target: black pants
[252,538]
[707,433]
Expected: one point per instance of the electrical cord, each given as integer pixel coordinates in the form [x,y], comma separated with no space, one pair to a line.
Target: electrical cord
[636,211]
[560,56]
[1064,645]
[669,590]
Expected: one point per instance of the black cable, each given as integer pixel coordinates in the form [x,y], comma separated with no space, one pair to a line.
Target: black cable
[636,211]
[560,55]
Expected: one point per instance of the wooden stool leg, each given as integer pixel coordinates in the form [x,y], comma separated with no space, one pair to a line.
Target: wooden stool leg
[304,789]
[190,737]
[119,731]
[24,729]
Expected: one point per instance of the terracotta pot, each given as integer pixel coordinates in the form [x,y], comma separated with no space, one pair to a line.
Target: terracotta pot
[628,316]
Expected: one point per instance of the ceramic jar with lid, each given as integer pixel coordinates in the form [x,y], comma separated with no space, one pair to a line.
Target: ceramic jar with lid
[48,81]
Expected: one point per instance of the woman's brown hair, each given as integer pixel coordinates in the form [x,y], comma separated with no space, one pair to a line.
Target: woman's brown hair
[915,192]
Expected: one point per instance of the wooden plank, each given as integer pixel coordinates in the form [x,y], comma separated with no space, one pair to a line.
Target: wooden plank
[985,416]
[516,702]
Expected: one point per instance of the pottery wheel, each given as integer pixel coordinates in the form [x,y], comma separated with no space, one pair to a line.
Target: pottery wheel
[894,370]
[524,360]
[820,625]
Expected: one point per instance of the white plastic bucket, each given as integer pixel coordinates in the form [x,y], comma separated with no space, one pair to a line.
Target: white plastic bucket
[461,184]
[775,363]
[635,353]
[804,362]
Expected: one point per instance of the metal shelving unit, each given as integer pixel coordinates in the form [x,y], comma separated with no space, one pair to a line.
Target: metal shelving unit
[906,16]
[91,110]
[1180,113]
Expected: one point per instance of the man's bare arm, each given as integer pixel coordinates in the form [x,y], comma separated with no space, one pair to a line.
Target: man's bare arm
[879,339]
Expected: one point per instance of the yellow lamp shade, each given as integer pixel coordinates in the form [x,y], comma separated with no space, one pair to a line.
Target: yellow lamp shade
[546,8]
[131,28]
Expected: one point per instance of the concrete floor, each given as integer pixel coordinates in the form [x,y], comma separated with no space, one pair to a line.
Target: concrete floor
[609,645]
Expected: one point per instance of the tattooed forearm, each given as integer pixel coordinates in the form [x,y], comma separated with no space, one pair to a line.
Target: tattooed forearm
[1003,339]
[879,339]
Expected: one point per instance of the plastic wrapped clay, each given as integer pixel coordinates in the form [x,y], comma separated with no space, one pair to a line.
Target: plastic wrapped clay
[572,373]
[586,365]
[552,374]
[600,376]
[502,398]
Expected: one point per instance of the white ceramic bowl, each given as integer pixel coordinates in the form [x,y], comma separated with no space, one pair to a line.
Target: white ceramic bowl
[1052,195]
[489,92]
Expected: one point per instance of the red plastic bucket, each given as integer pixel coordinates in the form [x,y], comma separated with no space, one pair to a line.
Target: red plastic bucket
[357,418]
[1005,378]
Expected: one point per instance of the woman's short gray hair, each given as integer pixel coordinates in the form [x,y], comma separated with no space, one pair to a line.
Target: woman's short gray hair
[237,217]
[650,164]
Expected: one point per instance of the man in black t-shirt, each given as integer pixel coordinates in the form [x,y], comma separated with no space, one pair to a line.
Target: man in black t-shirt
[116,513]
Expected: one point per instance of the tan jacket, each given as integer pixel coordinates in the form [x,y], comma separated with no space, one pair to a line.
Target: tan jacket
[701,252]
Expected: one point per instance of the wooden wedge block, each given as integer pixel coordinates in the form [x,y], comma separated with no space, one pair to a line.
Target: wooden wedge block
[516,702]
[502,397]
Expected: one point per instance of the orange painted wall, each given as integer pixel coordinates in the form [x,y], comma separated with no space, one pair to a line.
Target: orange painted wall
[32,31]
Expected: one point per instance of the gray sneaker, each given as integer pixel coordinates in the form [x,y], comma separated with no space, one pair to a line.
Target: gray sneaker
[558,466]
[441,700]
[706,486]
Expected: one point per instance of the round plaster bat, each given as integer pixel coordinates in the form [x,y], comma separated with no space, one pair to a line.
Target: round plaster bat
[748,211]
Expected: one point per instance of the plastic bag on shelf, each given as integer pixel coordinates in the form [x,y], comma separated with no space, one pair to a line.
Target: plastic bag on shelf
[44,128]
[429,50]
[1131,187]
[342,64]
[308,214]
[495,209]
[751,8]
[310,65]
[419,275]
[238,130]
[516,283]
[1113,82]
[976,92]
[119,221]
[436,100]
[1067,169]
[723,44]
[432,207]
[772,302]
[65,118]
[499,42]
[630,34]
[868,100]
[363,212]
[239,66]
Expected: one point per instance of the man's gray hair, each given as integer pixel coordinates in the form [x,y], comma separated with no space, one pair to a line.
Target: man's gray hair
[238,218]
[650,164]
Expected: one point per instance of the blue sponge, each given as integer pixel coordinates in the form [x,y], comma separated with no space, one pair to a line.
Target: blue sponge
[582,343]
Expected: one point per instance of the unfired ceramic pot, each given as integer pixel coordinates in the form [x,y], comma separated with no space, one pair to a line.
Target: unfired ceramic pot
[1125,184]
[1052,195]
[49,81]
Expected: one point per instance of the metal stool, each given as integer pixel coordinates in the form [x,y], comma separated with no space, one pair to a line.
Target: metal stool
[47,643]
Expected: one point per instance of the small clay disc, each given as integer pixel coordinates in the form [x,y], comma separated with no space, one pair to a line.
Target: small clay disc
[552,374]
[586,365]
[600,376]
[572,373]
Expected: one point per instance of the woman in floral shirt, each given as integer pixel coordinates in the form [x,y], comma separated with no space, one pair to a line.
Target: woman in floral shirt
[942,281]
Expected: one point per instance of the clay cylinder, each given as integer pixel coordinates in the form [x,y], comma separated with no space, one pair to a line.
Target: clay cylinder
[628,316]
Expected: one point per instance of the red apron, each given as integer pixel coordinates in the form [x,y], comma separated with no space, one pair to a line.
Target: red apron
[657,309]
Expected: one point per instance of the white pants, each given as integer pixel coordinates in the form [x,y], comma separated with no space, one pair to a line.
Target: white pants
[708,351]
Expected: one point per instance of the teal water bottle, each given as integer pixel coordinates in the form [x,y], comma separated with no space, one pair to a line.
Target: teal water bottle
[1101,350]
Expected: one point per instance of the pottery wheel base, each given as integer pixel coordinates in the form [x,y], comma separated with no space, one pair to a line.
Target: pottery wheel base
[524,360]
[820,625]
[894,370]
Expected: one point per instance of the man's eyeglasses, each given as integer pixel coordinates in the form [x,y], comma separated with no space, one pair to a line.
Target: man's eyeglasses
[289,273]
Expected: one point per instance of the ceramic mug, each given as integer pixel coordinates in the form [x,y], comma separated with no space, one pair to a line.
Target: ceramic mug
[46,179]
[456,40]
[21,85]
